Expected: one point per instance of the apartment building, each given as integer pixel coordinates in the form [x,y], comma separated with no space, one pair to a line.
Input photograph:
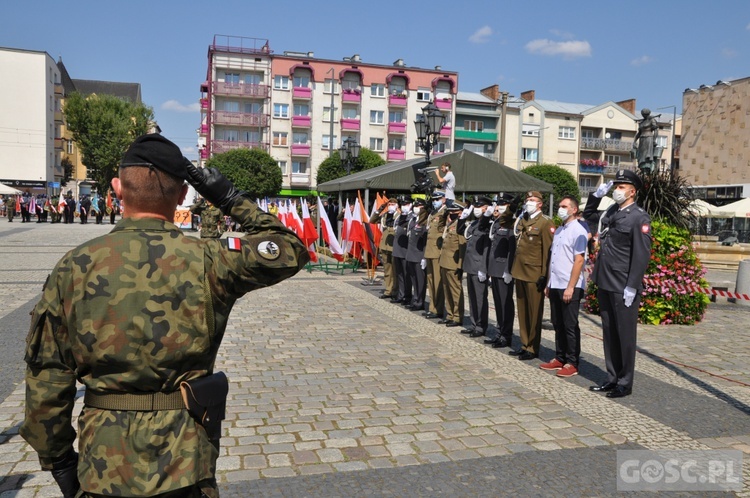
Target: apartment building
[714,150]
[477,123]
[30,121]
[300,108]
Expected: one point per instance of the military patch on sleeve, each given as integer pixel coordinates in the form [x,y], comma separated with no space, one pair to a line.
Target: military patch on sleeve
[552,230]
[269,250]
[234,244]
[646,228]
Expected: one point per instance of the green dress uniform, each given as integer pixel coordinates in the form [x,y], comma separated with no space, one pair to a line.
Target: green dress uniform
[10,207]
[211,219]
[450,261]
[385,249]
[136,312]
[435,228]
[535,234]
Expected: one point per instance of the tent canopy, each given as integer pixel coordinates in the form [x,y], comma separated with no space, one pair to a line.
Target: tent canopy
[473,172]
[739,209]
[6,190]
[703,209]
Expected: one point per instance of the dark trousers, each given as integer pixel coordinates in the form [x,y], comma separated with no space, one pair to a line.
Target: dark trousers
[565,320]
[418,282]
[530,311]
[619,324]
[505,307]
[403,279]
[478,307]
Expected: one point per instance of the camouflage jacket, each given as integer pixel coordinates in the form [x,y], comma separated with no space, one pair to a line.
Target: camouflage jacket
[140,310]
[211,219]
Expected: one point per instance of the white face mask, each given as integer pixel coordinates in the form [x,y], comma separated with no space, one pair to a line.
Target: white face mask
[477,212]
[437,204]
[501,209]
[619,196]
[406,209]
[563,213]
[391,209]
[531,207]
[417,210]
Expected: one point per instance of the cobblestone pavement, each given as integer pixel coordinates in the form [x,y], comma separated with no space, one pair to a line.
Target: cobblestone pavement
[337,393]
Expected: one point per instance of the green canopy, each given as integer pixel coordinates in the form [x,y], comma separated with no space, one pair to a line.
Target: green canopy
[473,172]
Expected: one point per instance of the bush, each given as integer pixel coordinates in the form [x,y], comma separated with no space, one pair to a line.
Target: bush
[673,262]
[332,167]
[564,182]
[251,170]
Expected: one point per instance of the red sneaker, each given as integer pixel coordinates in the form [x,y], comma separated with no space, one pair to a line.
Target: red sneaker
[567,371]
[555,364]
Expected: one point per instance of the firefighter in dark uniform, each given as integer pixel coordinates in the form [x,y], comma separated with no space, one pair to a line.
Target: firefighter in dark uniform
[385,217]
[400,245]
[451,260]
[417,233]
[502,251]
[435,227]
[534,233]
[624,253]
[477,235]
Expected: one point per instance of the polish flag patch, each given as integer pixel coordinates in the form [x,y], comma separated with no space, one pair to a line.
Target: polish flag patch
[234,244]
[646,228]
[552,230]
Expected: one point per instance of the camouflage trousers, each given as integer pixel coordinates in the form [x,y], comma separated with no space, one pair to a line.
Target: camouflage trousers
[204,489]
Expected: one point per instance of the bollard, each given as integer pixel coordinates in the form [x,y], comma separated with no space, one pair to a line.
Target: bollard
[743,280]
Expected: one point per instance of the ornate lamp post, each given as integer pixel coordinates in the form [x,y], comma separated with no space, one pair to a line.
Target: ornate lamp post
[429,124]
[348,153]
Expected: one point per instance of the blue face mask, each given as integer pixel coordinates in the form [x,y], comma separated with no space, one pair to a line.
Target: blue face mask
[437,205]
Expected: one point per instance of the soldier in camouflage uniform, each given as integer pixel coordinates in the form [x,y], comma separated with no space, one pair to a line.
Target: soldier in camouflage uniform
[211,219]
[131,315]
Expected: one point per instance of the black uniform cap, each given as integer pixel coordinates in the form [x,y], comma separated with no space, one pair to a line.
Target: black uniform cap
[419,202]
[482,201]
[627,176]
[456,206]
[155,150]
[504,198]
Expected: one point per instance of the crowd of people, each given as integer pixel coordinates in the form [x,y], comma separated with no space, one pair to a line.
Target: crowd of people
[41,208]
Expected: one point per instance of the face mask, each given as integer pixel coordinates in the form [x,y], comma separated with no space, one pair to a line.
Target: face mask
[477,212]
[619,196]
[531,207]
[391,209]
[563,213]
[500,210]
[417,210]
[406,209]
[437,205]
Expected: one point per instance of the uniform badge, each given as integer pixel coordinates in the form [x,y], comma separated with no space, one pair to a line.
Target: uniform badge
[234,244]
[645,228]
[552,230]
[268,250]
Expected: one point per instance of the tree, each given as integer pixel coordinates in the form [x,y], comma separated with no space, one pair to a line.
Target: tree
[333,167]
[67,171]
[251,170]
[103,126]
[564,182]
[666,196]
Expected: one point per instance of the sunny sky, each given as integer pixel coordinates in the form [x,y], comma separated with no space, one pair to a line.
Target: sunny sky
[581,52]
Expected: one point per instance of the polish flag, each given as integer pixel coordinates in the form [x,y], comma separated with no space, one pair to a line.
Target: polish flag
[345,226]
[61,203]
[356,231]
[283,215]
[371,233]
[328,235]
[294,219]
[309,233]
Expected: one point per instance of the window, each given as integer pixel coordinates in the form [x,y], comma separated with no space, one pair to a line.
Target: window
[253,107]
[586,181]
[377,90]
[349,113]
[615,135]
[612,160]
[299,138]
[376,144]
[397,88]
[350,84]
[566,132]
[231,135]
[232,78]
[530,130]
[327,113]
[327,86]
[281,110]
[587,134]
[280,137]
[395,143]
[252,137]
[661,141]
[376,117]
[253,79]
[69,146]
[302,81]
[530,154]
[282,167]
[424,94]
[396,117]
[301,110]
[231,106]
[327,139]
[281,82]
[440,147]
[299,167]
[473,125]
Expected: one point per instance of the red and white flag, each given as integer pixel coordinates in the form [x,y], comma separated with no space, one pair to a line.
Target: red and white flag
[356,230]
[294,219]
[328,234]
[282,214]
[309,232]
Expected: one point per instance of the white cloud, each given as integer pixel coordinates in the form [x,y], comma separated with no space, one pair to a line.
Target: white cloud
[728,53]
[562,34]
[640,61]
[189,151]
[482,35]
[174,105]
[567,49]
[747,27]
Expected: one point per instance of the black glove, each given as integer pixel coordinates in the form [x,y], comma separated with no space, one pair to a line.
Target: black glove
[541,283]
[65,473]
[213,186]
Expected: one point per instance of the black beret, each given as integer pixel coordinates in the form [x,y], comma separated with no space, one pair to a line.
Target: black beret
[482,201]
[627,176]
[155,150]
[504,198]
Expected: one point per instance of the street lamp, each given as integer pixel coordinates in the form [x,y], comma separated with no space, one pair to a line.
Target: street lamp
[429,124]
[348,153]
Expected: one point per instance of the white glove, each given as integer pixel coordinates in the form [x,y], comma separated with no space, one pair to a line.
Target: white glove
[507,277]
[628,295]
[490,210]
[423,264]
[465,213]
[482,276]
[602,190]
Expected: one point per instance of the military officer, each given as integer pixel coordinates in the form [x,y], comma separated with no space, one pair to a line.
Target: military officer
[477,234]
[386,216]
[10,207]
[417,233]
[211,218]
[451,261]
[400,246]
[624,253]
[133,314]
[534,233]
[435,227]
[500,261]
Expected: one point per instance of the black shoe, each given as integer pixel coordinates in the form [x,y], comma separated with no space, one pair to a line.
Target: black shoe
[467,331]
[619,392]
[604,388]
[396,300]
[516,352]
[452,324]
[526,355]
[501,343]
[490,340]
[477,333]
[442,321]
[386,296]
[429,314]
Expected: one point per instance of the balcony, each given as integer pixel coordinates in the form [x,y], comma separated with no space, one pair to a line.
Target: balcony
[203,154]
[351,96]
[58,144]
[397,100]
[446,104]
[605,144]
[59,90]
[58,116]
[397,128]
[612,170]
[349,124]
[219,146]
[204,129]
[301,150]
[239,118]
[483,136]
[302,92]
[300,179]
[586,190]
[446,130]
[395,155]
[591,169]
[240,90]
[301,121]
[204,103]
